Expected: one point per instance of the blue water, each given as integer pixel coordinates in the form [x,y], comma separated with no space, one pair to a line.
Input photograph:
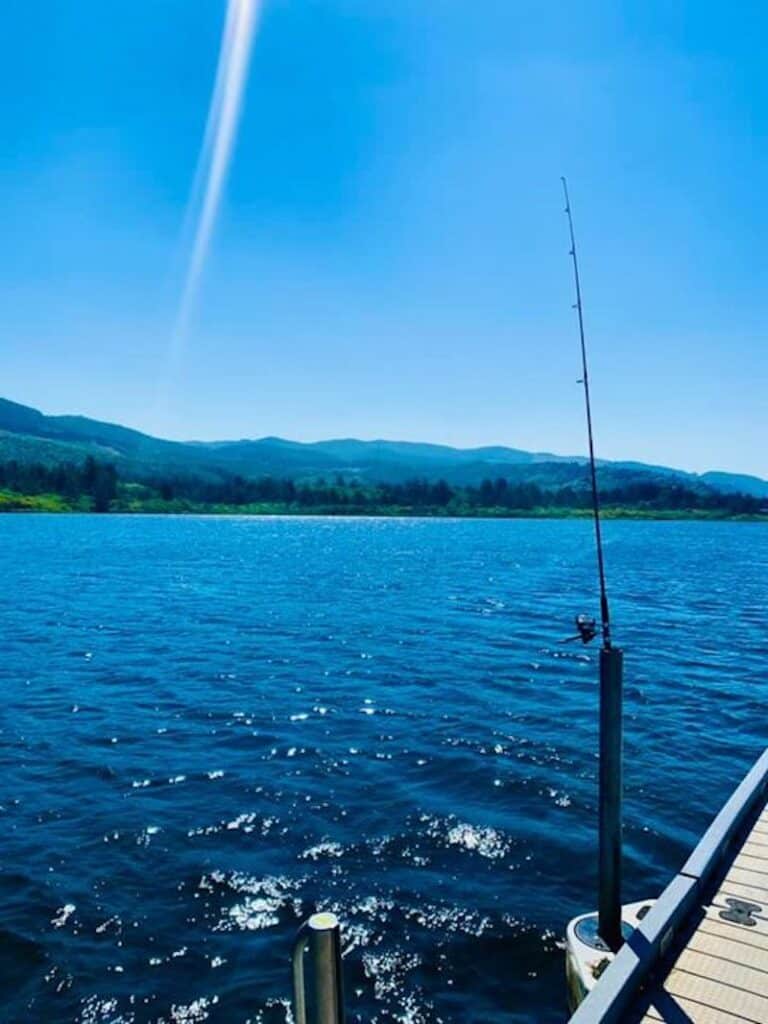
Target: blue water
[213,726]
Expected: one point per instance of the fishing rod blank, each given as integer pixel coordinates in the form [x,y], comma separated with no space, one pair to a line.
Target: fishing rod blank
[605,619]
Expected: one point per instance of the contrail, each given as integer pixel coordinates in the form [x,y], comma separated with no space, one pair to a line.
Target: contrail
[216,153]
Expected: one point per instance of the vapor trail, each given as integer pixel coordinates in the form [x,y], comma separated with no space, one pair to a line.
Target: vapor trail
[216,152]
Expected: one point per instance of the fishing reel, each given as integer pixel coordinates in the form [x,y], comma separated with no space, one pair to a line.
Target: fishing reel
[586,630]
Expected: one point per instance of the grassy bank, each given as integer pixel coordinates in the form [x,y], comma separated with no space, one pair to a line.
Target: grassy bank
[11,501]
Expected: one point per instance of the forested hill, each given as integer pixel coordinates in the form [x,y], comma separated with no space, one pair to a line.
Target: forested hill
[28,437]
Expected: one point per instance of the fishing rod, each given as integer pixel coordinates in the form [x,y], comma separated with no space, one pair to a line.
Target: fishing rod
[609,924]
[605,619]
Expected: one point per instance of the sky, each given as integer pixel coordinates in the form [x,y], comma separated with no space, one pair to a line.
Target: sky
[390,258]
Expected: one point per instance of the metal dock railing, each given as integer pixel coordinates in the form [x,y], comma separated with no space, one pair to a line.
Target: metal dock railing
[700,955]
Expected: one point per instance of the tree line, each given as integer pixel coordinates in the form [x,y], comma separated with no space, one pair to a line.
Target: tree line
[99,487]
[91,479]
[421,494]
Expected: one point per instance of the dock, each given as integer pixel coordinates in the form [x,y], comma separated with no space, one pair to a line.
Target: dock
[700,954]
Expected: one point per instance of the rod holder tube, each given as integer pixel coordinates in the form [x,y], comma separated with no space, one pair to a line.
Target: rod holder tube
[609,899]
[320,939]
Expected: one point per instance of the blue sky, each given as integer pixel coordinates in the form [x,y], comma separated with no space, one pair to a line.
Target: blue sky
[391,256]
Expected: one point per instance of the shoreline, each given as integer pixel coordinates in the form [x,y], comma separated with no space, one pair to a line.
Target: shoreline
[637,515]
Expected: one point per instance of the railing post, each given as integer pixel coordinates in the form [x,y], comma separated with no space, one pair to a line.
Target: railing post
[321,937]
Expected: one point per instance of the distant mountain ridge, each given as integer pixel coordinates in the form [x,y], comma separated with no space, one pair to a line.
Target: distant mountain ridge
[28,435]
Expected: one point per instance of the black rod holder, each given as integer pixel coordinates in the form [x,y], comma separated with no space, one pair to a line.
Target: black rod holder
[609,900]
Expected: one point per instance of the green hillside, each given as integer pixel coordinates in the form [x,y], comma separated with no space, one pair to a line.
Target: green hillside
[27,436]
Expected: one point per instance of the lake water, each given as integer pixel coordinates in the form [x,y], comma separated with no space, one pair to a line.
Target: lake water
[213,726]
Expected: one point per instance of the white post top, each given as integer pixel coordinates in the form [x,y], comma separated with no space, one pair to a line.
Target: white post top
[323,922]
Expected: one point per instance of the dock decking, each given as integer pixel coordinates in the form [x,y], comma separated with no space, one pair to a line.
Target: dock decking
[700,955]
[721,974]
